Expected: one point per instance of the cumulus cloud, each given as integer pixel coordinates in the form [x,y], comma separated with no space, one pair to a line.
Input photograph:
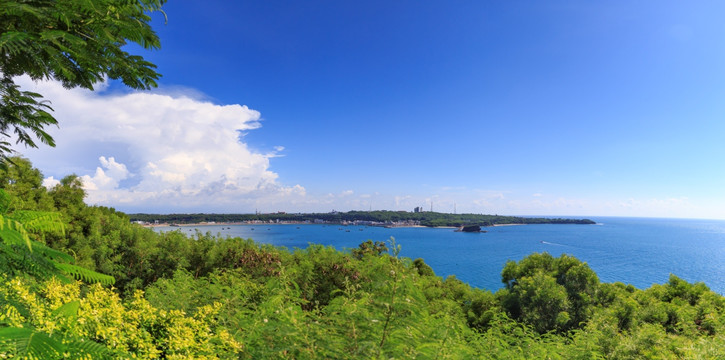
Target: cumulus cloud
[155,150]
[108,179]
[50,182]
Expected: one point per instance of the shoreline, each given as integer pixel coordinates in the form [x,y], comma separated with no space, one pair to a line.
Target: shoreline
[303,223]
[290,223]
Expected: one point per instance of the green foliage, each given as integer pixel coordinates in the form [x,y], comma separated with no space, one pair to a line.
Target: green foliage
[23,184]
[204,296]
[549,293]
[322,273]
[423,268]
[23,114]
[29,343]
[21,254]
[369,248]
[380,217]
[96,323]
[480,308]
[74,42]
[84,274]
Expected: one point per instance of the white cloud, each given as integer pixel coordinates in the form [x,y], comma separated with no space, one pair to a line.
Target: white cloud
[50,182]
[163,153]
[402,200]
[159,151]
[106,180]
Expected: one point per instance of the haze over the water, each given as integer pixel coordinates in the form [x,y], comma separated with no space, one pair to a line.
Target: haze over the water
[546,108]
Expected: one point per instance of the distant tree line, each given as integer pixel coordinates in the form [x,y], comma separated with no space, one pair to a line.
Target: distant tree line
[382,216]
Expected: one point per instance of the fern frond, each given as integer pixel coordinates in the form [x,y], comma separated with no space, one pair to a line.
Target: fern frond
[84,274]
[5,198]
[14,42]
[19,259]
[28,343]
[89,347]
[68,310]
[40,221]
[18,253]
[13,233]
[51,253]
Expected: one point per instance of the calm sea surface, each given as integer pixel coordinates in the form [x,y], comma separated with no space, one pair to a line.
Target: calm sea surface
[635,251]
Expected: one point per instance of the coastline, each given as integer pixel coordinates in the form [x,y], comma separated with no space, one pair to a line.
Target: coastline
[194,224]
[291,223]
[304,223]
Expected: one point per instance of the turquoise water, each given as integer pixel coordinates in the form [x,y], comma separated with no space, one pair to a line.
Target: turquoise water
[635,251]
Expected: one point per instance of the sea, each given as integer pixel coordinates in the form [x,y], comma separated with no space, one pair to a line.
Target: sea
[637,251]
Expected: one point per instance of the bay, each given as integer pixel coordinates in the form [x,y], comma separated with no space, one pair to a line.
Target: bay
[637,251]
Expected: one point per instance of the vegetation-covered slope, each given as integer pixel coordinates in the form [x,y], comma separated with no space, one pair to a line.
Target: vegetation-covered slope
[206,297]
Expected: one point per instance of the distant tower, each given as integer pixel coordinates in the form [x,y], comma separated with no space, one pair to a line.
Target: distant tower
[454,207]
[431,206]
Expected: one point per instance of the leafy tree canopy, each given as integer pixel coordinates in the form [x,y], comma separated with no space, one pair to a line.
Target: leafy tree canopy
[76,42]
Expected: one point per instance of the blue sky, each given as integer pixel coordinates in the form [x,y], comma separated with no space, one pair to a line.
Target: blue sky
[540,108]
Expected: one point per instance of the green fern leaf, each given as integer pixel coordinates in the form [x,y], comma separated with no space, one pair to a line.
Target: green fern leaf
[69,309]
[51,253]
[92,348]
[38,259]
[5,200]
[13,234]
[84,274]
[40,221]
[29,343]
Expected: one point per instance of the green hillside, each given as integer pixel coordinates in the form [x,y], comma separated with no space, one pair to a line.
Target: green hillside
[204,297]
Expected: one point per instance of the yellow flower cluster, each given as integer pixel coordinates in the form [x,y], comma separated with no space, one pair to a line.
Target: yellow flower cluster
[130,329]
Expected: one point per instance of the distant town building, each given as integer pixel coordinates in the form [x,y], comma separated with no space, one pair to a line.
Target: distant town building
[418,209]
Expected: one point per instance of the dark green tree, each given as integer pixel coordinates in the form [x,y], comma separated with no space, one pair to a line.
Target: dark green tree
[76,42]
[369,248]
[549,293]
[25,183]
[423,268]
